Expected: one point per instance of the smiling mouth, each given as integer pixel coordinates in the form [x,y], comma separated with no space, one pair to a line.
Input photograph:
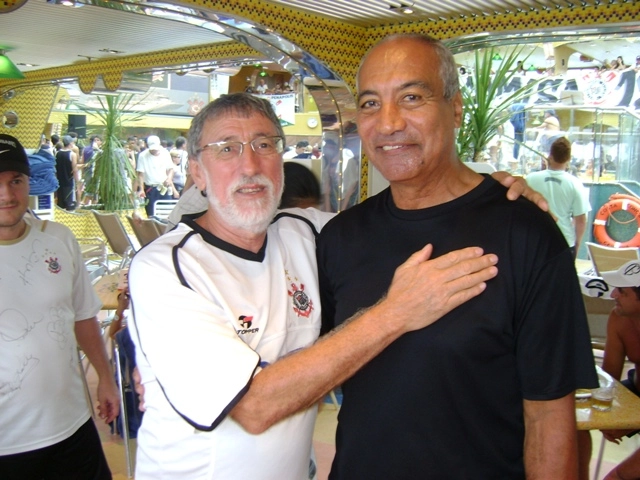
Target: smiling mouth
[250,190]
[388,148]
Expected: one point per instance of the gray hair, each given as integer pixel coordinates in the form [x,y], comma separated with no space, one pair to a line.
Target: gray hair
[448,67]
[243,104]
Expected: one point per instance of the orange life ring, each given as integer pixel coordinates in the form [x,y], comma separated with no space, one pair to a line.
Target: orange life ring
[616,202]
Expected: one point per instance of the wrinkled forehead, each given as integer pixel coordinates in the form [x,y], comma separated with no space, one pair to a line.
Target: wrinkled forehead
[396,56]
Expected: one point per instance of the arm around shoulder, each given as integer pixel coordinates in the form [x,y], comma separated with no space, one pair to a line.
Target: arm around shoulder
[298,381]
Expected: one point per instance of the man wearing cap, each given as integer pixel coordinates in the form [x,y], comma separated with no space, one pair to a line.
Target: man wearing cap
[155,174]
[550,131]
[48,310]
[623,341]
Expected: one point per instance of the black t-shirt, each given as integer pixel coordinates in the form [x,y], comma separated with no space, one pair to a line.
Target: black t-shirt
[447,401]
[64,168]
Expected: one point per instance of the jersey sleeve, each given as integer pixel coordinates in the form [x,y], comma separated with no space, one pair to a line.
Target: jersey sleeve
[186,334]
[86,303]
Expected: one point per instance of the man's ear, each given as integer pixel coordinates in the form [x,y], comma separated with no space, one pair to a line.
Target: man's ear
[197,173]
[457,108]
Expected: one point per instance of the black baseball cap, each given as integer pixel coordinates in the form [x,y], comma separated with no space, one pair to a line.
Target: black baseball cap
[13,157]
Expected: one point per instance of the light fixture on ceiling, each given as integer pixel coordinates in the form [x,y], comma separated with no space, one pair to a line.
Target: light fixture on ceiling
[109,50]
[402,8]
[7,68]
[66,3]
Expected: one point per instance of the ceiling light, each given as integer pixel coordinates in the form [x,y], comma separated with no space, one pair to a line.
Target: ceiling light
[66,3]
[7,68]
[406,9]
[109,50]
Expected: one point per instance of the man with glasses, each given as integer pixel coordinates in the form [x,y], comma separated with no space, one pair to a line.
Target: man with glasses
[227,310]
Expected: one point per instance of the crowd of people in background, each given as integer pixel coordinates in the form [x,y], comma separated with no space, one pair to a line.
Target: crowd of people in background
[75,165]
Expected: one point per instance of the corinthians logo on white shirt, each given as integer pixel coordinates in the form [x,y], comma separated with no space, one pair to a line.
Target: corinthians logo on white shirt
[302,304]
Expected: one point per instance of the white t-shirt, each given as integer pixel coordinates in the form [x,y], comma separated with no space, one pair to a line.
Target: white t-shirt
[154,167]
[44,290]
[566,195]
[200,341]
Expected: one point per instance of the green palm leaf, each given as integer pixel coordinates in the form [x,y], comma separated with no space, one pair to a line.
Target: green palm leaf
[484,108]
[113,173]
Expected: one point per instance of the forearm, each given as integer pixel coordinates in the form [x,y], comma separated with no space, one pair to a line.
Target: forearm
[628,469]
[550,448]
[300,380]
[138,184]
[580,226]
[90,340]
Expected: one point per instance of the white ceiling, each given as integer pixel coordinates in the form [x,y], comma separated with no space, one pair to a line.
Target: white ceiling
[48,35]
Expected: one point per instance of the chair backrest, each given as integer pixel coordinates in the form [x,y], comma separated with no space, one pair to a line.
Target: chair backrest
[163,208]
[606,259]
[114,232]
[146,229]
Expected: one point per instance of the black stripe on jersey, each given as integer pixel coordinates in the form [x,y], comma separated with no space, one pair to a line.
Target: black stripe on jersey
[298,217]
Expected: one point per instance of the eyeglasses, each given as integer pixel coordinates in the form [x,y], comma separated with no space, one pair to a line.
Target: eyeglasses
[232,150]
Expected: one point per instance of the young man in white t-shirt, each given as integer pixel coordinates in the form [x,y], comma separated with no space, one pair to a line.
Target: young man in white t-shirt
[48,310]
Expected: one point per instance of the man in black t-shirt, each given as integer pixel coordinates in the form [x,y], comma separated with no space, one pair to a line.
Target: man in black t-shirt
[488,391]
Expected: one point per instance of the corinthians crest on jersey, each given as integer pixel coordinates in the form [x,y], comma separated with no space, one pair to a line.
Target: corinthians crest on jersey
[302,305]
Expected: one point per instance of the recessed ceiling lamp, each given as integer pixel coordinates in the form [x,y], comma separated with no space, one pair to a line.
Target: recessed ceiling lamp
[66,3]
[402,8]
[109,50]
[7,68]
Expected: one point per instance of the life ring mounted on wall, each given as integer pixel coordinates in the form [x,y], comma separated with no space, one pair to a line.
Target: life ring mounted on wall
[616,203]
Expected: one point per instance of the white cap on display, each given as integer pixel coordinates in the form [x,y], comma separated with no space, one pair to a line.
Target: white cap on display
[628,275]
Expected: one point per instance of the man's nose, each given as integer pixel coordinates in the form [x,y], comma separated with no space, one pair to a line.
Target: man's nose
[249,160]
[390,119]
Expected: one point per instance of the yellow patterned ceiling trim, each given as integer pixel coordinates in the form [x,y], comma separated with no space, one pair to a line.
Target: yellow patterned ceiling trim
[111,69]
[338,44]
[569,17]
[32,106]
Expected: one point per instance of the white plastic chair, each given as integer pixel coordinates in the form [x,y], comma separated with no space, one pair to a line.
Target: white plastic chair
[162,208]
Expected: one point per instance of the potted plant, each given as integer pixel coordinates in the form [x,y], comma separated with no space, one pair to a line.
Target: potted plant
[485,106]
[113,173]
